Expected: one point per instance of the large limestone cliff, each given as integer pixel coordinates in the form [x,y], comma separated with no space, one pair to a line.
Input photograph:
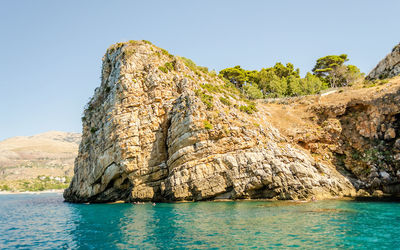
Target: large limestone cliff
[388,67]
[160,129]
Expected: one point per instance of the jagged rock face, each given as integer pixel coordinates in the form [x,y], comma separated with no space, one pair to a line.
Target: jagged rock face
[388,67]
[147,135]
[367,140]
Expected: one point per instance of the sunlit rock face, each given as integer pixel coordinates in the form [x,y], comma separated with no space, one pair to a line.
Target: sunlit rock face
[364,137]
[388,67]
[159,129]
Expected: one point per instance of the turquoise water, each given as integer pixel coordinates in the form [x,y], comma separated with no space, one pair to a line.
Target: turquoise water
[44,221]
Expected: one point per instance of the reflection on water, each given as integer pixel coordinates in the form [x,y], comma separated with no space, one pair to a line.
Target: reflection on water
[44,221]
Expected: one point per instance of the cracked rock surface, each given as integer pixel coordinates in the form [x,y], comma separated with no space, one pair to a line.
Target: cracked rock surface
[157,130]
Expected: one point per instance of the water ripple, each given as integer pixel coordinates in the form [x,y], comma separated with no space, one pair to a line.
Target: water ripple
[44,221]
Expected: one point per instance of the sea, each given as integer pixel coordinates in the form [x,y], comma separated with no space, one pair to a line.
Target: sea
[45,221]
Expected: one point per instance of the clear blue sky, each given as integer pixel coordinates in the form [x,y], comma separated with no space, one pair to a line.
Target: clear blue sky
[51,50]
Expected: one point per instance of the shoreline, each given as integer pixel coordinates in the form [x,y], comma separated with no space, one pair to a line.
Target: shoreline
[387,198]
[33,192]
[384,198]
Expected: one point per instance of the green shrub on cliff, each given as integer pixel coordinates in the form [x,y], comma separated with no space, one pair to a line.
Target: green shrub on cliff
[203,69]
[163,69]
[165,52]
[250,108]
[147,42]
[206,99]
[207,125]
[225,101]
[128,51]
[169,66]
[189,63]
[229,87]
[211,88]
[212,73]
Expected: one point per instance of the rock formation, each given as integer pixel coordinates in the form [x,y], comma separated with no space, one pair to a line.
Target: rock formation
[388,67]
[159,128]
[365,137]
[357,131]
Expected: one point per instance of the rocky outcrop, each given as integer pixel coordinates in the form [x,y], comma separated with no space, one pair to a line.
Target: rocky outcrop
[160,129]
[388,67]
[366,142]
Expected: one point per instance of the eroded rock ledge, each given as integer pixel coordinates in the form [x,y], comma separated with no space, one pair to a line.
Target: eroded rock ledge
[159,130]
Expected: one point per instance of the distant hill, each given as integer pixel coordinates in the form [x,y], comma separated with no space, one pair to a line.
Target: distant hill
[48,154]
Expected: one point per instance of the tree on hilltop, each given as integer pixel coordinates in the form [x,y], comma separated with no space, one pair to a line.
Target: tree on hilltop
[279,80]
[235,75]
[331,69]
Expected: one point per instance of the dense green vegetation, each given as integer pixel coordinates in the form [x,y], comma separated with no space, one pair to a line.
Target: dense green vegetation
[274,82]
[277,81]
[284,80]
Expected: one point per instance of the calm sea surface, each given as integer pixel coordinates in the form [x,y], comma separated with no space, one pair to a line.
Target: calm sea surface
[31,221]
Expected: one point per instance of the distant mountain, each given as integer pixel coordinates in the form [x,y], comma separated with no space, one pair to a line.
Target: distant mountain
[49,154]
